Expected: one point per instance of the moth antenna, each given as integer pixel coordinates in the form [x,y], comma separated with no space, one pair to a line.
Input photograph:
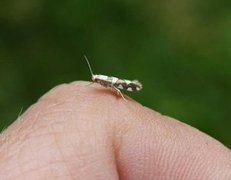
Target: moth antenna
[85,57]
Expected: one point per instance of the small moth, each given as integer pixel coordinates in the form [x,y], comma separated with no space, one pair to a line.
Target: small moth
[114,82]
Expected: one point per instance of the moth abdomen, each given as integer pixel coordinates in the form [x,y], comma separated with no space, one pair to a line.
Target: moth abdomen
[128,85]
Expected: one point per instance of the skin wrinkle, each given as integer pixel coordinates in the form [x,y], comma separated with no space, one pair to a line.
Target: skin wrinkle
[59,147]
[19,165]
[41,168]
[50,133]
[183,159]
[49,112]
[19,157]
[111,129]
[121,128]
[9,152]
[60,153]
[32,155]
[133,123]
[72,147]
[4,141]
[179,165]
[22,172]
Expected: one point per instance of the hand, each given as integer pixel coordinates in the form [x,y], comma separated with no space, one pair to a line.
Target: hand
[83,132]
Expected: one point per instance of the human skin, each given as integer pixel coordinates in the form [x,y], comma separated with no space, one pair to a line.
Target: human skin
[76,131]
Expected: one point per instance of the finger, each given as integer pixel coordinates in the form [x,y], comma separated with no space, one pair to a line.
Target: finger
[77,129]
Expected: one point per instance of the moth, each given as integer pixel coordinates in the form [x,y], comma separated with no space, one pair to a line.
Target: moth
[114,82]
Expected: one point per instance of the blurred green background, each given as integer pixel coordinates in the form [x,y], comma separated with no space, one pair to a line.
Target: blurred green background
[180,51]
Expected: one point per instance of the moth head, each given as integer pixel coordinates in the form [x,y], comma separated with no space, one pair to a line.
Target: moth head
[93,77]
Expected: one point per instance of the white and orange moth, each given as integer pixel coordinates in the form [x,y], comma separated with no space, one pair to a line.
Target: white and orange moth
[114,82]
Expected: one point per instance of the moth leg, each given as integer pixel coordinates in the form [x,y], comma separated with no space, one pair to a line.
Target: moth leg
[119,93]
[90,83]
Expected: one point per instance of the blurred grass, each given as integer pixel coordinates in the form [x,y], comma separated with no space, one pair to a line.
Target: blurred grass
[179,50]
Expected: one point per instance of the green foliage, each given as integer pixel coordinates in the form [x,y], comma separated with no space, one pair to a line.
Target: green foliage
[179,50]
